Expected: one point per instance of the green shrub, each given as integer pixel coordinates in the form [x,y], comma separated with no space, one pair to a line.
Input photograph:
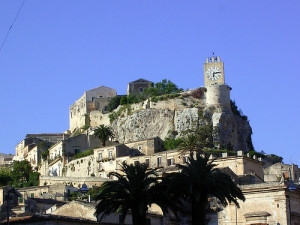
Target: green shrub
[113,103]
[275,158]
[258,154]
[218,152]
[84,154]
[171,143]
[236,111]
[161,88]
[154,99]
[115,115]
[123,100]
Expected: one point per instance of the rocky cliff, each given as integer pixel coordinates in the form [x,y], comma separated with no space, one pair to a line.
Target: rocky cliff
[174,116]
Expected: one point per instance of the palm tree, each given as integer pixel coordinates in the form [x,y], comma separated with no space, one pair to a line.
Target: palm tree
[199,180]
[196,140]
[190,143]
[136,188]
[103,133]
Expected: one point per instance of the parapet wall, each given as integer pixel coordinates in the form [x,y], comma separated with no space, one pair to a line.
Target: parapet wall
[73,181]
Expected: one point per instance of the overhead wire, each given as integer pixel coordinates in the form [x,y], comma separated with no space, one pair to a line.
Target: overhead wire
[12,24]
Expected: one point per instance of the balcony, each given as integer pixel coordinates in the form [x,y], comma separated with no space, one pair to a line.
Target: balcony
[105,159]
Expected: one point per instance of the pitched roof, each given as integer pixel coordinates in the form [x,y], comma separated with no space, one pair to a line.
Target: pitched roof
[47,201]
[140,80]
[36,218]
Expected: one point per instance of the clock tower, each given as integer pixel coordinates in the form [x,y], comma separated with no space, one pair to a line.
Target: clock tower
[218,93]
[213,71]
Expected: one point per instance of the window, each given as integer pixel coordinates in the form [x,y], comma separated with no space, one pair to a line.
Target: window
[100,166]
[185,159]
[170,162]
[110,154]
[100,156]
[77,150]
[135,162]
[141,89]
[140,148]
[147,161]
[32,195]
[21,199]
[158,161]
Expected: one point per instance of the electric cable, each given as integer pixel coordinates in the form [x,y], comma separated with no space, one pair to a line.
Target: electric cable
[12,24]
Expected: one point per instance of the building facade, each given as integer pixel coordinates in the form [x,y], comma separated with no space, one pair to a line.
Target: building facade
[92,100]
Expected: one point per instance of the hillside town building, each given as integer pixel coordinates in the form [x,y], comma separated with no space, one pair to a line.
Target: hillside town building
[272,193]
[92,100]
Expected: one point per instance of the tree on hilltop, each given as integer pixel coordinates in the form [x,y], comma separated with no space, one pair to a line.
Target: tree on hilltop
[163,87]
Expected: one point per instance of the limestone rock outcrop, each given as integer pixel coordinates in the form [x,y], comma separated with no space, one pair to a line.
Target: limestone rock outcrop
[174,116]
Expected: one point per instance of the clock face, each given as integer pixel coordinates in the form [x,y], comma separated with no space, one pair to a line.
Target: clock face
[213,73]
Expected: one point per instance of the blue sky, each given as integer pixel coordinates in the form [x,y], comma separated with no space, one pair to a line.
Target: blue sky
[58,49]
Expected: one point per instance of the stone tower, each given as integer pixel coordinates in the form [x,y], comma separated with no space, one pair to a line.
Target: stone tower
[218,93]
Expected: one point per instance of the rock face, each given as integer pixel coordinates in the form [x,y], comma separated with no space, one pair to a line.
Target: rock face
[175,116]
[144,124]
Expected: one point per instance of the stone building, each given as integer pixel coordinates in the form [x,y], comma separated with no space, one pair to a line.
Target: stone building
[8,197]
[148,146]
[50,137]
[91,100]
[86,210]
[266,203]
[108,159]
[6,159]
[241,166]
[276,171]
[138,86]
[64,151]
[32,192]
[34,157]
[32,140]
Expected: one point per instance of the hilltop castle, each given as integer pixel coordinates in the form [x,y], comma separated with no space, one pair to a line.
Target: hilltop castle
[151,118]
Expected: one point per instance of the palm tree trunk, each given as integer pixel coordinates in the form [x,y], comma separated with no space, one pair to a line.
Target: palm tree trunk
[137,218]
[198,213]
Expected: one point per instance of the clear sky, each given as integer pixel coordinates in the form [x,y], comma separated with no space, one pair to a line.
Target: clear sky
[57,49]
